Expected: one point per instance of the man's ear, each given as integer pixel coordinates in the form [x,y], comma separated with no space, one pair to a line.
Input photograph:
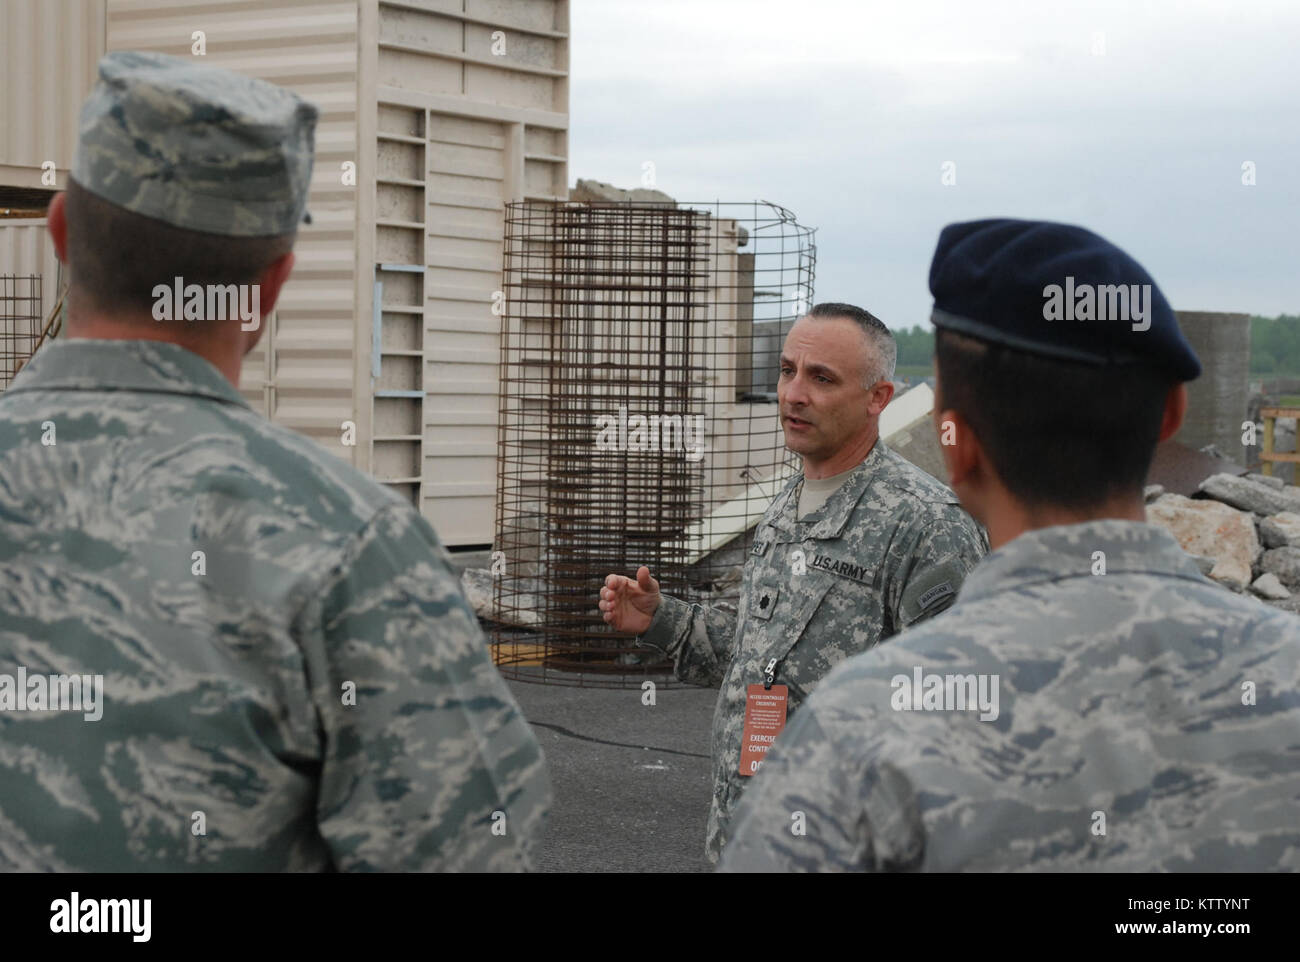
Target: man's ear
[56,220]
[269,283]
[881,393]
[960,448]
[1175,411]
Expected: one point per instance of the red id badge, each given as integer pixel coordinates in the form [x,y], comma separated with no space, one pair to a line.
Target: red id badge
[764,719]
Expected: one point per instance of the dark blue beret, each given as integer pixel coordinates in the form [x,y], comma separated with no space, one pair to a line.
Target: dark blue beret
[1055,290]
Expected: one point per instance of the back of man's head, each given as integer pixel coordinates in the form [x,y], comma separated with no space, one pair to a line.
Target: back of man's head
[1058,433]
[182,171]
[116,258]
[1059,353]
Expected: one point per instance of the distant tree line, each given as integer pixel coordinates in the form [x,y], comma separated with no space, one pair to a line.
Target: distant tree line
[1274,345]
[915,347]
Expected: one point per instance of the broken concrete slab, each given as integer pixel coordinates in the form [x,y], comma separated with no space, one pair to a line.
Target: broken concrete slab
[521,609]
[1275,483]
[1280,530]
[595,191]
[1268,586]
[1213,530]
[1285,563]
[1251,495]
[1151,492]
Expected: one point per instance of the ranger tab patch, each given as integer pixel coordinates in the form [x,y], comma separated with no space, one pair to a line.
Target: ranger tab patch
[937,593]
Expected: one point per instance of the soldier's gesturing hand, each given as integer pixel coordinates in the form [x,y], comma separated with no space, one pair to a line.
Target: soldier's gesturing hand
[627,604]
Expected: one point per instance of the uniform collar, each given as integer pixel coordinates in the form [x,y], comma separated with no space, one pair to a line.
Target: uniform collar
[830,520]
[81,364]
[1068,551]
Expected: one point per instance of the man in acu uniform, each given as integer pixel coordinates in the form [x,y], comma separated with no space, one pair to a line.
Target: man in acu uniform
[858,547]
[291,678]
[1145,719]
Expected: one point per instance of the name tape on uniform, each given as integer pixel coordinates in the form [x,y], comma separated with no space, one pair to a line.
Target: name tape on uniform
[846,569]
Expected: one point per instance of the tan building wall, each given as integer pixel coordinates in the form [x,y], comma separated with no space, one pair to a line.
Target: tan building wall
[304,372]
[473,113]
[445,110]
[48,52]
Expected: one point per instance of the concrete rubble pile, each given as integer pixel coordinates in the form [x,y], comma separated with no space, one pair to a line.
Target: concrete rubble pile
[1243,531]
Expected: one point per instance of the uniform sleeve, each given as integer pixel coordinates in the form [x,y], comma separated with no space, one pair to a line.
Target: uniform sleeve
[931,562]
[821,804]
[428,764]
[699,639]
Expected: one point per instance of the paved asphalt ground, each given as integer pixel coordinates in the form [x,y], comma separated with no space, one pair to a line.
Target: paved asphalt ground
[631,781]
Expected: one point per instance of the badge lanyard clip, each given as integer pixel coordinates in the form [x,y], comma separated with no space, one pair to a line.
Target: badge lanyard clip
[769,674]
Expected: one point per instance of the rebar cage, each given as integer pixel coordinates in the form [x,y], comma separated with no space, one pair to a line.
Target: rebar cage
[20,322]
[638,420]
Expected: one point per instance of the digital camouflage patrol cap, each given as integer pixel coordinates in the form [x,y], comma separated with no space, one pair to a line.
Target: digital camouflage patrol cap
[197,147]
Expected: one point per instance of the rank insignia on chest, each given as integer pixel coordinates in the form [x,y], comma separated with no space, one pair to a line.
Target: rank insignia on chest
[845,569]
[764,602]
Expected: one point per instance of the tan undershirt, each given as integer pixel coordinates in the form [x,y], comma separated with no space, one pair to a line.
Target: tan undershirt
[816,491]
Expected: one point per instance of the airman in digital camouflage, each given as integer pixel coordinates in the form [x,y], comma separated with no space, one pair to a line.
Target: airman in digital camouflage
[1091,702]
[288,675]
[858,547]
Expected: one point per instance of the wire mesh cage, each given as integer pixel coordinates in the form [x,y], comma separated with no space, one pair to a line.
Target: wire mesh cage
[638,421]
[20,322]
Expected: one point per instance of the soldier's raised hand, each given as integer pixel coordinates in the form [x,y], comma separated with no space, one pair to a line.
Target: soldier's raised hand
[629,604]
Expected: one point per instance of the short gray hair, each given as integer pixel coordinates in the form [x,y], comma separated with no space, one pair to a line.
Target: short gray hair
[878,336]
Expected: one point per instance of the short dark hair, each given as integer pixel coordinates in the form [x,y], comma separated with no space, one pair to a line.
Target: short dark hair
[879,336]
[1058,433]
[116,257]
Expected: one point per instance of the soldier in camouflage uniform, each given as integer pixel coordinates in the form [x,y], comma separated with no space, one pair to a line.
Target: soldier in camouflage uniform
[1091,702]
[291,677]
[880,546]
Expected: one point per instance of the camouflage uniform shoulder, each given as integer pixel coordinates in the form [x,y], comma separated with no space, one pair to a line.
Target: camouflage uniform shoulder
[784,494]
[899,474]
[317,477]
[197,431]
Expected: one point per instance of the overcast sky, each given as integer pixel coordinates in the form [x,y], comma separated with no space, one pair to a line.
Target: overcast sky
[1130,118]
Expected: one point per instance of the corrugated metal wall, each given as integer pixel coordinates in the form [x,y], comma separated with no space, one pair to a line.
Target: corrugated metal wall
[48,52]
[472,100]
[304,372]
